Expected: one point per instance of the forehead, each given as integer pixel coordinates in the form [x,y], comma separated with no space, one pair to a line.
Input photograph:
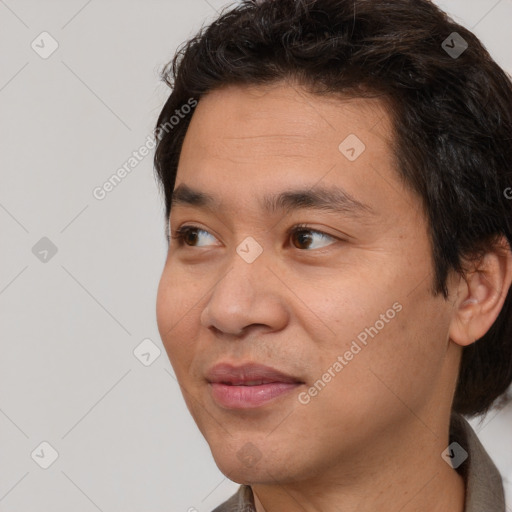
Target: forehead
[246,142]
[282,120]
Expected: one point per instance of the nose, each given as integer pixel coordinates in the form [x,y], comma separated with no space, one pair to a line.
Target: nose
[249,294]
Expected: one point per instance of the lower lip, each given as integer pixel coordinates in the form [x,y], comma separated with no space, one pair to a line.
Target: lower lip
[249,397]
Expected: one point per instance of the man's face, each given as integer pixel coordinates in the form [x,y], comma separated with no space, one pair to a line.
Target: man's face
[342,306]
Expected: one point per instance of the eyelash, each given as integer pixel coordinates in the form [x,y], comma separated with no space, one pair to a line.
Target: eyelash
[183,230]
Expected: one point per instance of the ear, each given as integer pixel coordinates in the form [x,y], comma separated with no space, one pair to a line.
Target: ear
[481,294]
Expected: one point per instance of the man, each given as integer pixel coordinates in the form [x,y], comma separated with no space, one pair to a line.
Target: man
[336,294]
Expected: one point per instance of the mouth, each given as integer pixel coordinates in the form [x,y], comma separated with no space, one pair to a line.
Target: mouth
[248,386]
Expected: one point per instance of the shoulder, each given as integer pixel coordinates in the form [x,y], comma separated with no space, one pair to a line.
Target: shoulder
[484,485]
[242,501]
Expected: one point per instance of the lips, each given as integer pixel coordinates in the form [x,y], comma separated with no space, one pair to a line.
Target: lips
[248,386]
[247,375]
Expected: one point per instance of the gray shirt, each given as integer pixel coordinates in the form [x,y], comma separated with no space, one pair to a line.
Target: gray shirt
[484,486]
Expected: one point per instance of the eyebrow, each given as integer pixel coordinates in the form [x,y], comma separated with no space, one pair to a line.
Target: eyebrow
[331,199]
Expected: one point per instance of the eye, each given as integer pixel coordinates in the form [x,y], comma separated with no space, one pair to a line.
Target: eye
[301,235]
[189,235]
[305,236]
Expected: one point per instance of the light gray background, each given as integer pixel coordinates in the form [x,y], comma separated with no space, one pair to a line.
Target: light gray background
[68,374]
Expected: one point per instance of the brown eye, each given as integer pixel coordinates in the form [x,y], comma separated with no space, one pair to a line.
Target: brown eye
[303,236]
[189,235]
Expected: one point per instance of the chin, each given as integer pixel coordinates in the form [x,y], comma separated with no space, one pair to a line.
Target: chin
[242,475]
[241,462]
[244,463]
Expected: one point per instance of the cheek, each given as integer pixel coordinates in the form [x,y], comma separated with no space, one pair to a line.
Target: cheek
[177,318]
[340,309]
[384,377]
[405,357]
[178,297]
[379,323]
[167,307]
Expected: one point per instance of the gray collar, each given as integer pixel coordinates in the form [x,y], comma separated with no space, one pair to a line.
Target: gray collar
[484,486]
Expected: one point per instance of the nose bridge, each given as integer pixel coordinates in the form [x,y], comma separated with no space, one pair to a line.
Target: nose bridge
[247,270]
[245,279]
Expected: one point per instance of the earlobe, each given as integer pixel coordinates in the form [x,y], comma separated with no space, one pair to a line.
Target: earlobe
[481,295]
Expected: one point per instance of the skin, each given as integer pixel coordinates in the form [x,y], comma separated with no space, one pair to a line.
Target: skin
[372,438]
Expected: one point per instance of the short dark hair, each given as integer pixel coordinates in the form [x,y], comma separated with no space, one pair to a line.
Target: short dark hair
[452,120]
